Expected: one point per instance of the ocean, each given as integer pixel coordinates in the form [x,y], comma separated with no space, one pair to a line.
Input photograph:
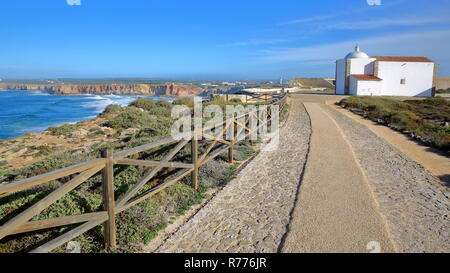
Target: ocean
[34,111]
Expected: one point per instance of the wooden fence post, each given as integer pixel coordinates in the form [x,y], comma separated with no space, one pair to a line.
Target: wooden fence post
[232,141]
[194,155]
[250,134]
[230,152]
[108,199]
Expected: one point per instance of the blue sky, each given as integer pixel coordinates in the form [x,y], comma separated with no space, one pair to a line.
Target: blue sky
[211,39]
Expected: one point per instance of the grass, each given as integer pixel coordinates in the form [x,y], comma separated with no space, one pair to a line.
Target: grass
[426,120]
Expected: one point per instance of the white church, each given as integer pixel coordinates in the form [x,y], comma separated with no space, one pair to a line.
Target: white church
[362,75]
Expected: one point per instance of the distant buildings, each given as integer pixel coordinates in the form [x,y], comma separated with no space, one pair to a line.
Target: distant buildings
[268,89]
[360,74]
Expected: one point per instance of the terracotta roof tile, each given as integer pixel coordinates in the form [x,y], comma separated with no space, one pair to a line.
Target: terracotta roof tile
[402,59]
[365,77]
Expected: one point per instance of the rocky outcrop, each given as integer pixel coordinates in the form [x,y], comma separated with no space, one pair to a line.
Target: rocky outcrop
[168,89]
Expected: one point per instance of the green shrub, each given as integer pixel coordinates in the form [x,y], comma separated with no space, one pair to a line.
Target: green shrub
[218,100]
[144,103]
[243,152]
[63,130]
[130,117]
[374,104]
[160,111]
[422,118]
[443,91]
[160,108]
[432,108]
[48,164]
[235,100]
[142,222]
[71,204]
[111,109]
[164,104]
[184,101]
[96,132]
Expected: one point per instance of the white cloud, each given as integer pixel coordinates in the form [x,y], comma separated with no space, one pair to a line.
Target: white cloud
[433,44]
[255,42]
[313,19]
[353,11]
[384,22]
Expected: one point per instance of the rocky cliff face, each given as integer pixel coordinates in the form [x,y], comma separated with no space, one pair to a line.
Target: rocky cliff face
[168,89]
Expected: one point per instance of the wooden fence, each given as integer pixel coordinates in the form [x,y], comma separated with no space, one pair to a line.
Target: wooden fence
[249,97]
[81,172]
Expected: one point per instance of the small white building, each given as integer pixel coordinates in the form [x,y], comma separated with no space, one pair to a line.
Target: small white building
[362,75]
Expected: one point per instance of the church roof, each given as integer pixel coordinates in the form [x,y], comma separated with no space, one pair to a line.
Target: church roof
[357,54]
[365,77]
[402,59]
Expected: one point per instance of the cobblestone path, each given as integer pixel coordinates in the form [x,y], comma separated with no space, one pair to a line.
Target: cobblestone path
[414,202]
[336,211]
[251,213]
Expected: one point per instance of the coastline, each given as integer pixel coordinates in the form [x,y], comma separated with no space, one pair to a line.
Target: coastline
[34,145]
[93,105]
[166,89]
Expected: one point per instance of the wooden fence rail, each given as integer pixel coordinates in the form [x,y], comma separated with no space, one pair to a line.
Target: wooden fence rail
[22,222]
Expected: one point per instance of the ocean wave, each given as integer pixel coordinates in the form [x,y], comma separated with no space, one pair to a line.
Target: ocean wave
[94,97]
[39,93]
[100,102]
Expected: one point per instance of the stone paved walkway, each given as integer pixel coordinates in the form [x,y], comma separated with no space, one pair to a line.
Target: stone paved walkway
[252,212]
[335,211]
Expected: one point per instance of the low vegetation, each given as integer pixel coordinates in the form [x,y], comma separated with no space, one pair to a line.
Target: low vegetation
[443,91]
[146,121]
[63,130]
[160,108]
[423,119]
[130,117]
[111,109]
[184,101]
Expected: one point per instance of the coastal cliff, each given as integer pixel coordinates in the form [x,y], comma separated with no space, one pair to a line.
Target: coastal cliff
[167,89]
